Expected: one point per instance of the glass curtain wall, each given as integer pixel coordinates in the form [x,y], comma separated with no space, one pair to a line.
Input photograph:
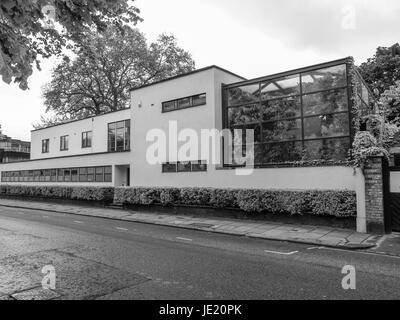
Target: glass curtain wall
[300,116]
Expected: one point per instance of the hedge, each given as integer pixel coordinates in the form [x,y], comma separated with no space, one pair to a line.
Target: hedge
[104,194]
[326,203]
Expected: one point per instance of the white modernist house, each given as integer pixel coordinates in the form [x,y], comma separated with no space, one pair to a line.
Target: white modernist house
[296,114]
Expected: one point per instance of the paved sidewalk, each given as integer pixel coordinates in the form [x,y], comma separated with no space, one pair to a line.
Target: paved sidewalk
[321,236]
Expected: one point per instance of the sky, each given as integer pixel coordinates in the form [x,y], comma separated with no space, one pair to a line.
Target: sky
[252,38]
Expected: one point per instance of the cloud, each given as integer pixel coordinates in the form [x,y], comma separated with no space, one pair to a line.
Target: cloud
[321,25]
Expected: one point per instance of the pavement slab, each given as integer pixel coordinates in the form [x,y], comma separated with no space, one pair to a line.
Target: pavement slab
[342,238]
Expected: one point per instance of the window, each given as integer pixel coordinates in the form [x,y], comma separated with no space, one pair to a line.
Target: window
[169,167]
[183,103]
[84,174]
[99,174]
[185,166]
[86,139]
[63,143]
[119,136]
[199,166]
[301,116]
[45,145]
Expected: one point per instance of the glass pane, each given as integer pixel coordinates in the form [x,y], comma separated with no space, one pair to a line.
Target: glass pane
[243,115]
[323,79]
[282,130]
[184,103]
[199,99]
[67,175]
[169,167]
[244,94]
[327,149]
[111,140]
[111,126]
[60,175]
[107,177]
[99,170]
[83,170]
[99,178]
[275,153]
[83,177]
[108,169]
[325,102]
[240,131]
[120,139]
[184,166]
[90,170]
[329,125]
[74,175]
[127,138]
[282,108]
[168,106]
[90,177]
[120,124]
[286,86]
[199,166]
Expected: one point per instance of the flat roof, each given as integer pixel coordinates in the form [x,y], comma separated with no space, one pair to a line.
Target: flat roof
[186,74]
[75,120]
[290,72]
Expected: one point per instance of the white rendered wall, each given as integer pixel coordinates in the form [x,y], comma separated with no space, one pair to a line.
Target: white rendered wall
[98,126]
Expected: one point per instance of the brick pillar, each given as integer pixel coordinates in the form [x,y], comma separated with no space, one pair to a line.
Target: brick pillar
[374,195]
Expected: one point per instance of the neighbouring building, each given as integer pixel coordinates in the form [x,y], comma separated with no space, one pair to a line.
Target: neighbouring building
[12,150]
[302,121]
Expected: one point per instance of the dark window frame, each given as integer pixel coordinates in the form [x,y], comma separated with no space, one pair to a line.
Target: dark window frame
[343,63]
[191,164]
[45,145]
[55,175]
[86,140]
[192,104]
[64,142]
[112,127]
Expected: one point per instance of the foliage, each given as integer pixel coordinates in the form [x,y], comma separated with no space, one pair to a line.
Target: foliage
[327,203]
[28,31]
[105,68]
[104,194]
[383,69]
[365,145]
[390,99]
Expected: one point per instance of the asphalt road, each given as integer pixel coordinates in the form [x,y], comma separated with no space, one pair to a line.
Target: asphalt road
[96,258]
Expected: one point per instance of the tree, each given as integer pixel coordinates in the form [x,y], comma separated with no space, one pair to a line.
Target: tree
[390,102]
[383,69]
[105,68]
[30,30]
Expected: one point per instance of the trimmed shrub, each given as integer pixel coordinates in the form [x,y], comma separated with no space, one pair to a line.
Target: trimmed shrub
[195,196]
[223,198]
[104,194]
[325,203]
[333,203]
[328,203]
[169,196]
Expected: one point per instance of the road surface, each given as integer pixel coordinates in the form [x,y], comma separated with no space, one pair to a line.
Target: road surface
[97,258]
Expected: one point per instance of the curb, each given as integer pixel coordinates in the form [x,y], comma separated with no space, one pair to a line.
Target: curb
[349,246]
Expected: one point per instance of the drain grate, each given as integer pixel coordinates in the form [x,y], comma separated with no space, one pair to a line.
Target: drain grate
[201,225]
[36,294]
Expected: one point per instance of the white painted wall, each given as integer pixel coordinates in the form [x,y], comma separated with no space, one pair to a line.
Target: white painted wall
[98,126]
